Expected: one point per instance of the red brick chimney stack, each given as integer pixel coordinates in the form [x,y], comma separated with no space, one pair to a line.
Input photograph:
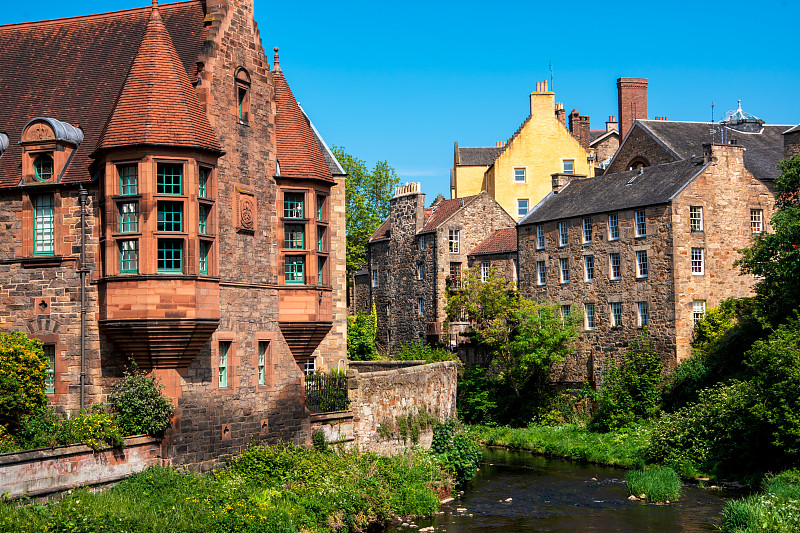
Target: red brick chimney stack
[579,128]
[632,102]
[560,113]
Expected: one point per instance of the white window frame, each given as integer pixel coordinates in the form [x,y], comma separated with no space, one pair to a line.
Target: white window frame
[616,317]
[540,237]
[563,268]
[421,272]
[516,175]
[613,227]
[611,265]
[697,257]
[640,223]
[588,268]
[698,310]
[541,273]
[643,314]
[695,218]
[519,206]
[563,234]
[564,166]
[587,230]
[756,221]
[566,309]
[485,266]
[453,240]
[588,317]
[421,306]
[641,264]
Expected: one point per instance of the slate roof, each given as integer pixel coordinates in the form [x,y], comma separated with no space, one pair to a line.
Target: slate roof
[501,241]
[157,104]
[445,210]
[581,197]
[299,155]
[479,156]
[594,134]
[792,130]
[73,69]
[762,151]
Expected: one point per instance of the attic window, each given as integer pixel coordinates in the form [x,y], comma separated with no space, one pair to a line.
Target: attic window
[242,83]
[43,167]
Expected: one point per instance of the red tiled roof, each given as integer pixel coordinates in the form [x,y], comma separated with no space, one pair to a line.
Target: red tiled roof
[383,231]
[296,148]
[157,104]
[73,69]
[501,241]
[445,210]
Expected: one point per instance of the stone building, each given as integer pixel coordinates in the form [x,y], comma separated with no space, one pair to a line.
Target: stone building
[791,141]
[212,251]
[498,252]
[648,248]
[605,143]
[416,253]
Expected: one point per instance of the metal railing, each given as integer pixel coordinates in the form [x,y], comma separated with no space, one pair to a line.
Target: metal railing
[326,393]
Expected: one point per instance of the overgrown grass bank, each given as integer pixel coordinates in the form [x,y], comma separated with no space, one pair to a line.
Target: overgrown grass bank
[659,484]
[777,509]
[279,489]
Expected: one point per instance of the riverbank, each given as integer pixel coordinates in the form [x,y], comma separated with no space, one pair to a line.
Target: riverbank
[278,489]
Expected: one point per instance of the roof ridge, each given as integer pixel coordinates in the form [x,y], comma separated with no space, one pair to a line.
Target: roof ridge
[100,16]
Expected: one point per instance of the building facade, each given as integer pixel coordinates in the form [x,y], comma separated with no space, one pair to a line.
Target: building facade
[650,249]
[171,205]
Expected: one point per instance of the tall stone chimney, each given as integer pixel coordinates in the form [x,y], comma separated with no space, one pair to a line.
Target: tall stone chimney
[611,124]
[632,102]
[560,113]
[542,101]
[579,128]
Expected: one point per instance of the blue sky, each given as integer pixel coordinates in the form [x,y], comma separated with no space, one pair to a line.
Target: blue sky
[401,81]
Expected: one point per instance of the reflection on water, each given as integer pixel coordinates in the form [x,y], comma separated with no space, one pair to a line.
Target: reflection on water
[555,495]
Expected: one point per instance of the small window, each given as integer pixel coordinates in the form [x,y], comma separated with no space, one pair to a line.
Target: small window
[569,166]
[170,255]
[242,81]
[563,234]
[698,310]
[587,230]
[43,167]
[588,267]
[128,179]
[374,278]
[309,366]
[613,227]
[293,205]
[455,275]
[453,240]
[321,238]
[588,319]
[170,217]
[642,314]
[641,264]
[564,263]
[263,347]
[129,257]
[540,237]
[43,225]
[295,269]
[203,266]
[294,236]
[420,306]
[698,261]
[321,262]
[422,242]
[641,224]
[756,221]
[389,309]
[616,315]
[696,218]
[50,379]
[169,178]
[541,270]
[320,207]
[204,174]
[222,368]
[388,277]
[389,250]
[128,217]
[519,175]
[420,272]
[615,270]
[565,310]
[485,266]
[522,206]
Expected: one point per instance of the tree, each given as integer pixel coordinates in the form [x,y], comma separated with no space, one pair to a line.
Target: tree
[367,196]
[775,257]
[23,370]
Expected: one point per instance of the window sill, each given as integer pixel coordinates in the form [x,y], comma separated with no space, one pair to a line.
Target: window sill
[615,279]
[40,261]
[640,278]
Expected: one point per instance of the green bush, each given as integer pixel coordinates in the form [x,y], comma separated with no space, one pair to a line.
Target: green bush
[458,450]
[139,405]
[23,371]
[39,430]
[477,395]
[418,351]
[96,430]
[361,331]
[658,484]
[630,388]
[777,510]
[319,441]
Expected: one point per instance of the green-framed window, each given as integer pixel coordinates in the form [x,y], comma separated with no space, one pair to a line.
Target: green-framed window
[43,225]
[295,269]
[203,219]
[224,348]
[321,238]
[128,217]
[294,236]
[50,378]
[320,205]
[321,271]
[43,167]
[169,178]
[170,216]
[204,176]
[170,255]
[293,205]
[128,179]
[129,257]
[263,346]
[204,248]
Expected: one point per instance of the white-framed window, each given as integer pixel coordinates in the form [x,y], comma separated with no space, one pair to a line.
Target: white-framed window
[541,271]
[455,275]
[641,264]
[374,278]
[420,272]
[485,270]
[565,310]
[420,306]
[756,221]
[588,267]
[563,234]
[613,227]
[588,316]
[616,314]
[310,366]
[568,166]
[519,175]
[696,218]
[587,230]
[615,268]
[564,268]
[422,242]
[642,314]
[388,277]
[641,223]
[698,261]
[540,237]
[522,206]
[698,310]
[453,238]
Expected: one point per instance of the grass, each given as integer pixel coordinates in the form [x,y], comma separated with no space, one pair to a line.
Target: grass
[658,484]
[279,489]
[622,448]
[777,509]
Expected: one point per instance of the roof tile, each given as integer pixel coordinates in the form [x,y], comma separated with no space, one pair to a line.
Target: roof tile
[501,241]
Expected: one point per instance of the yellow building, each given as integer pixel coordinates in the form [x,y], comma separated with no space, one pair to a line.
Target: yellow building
[518,173]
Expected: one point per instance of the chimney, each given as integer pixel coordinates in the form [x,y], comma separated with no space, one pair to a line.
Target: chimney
[561,114]
[611,124]
[579,128]
[406,208]
[632,102]
[542,101]
[560,180]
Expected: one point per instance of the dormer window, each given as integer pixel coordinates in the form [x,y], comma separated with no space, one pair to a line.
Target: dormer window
[47,146]
[242,83]
[43,167]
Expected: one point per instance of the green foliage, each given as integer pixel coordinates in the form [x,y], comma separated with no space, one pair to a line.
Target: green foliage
[22,378]
[327,392]
[418,351]
[367,195]
[658,484]
[39,430]
[409,426]
[139,405]
[716,322]
[319,441]
[477,396]
[97,430]
[457,449]
[630,388]
[776,510]
[361,337]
